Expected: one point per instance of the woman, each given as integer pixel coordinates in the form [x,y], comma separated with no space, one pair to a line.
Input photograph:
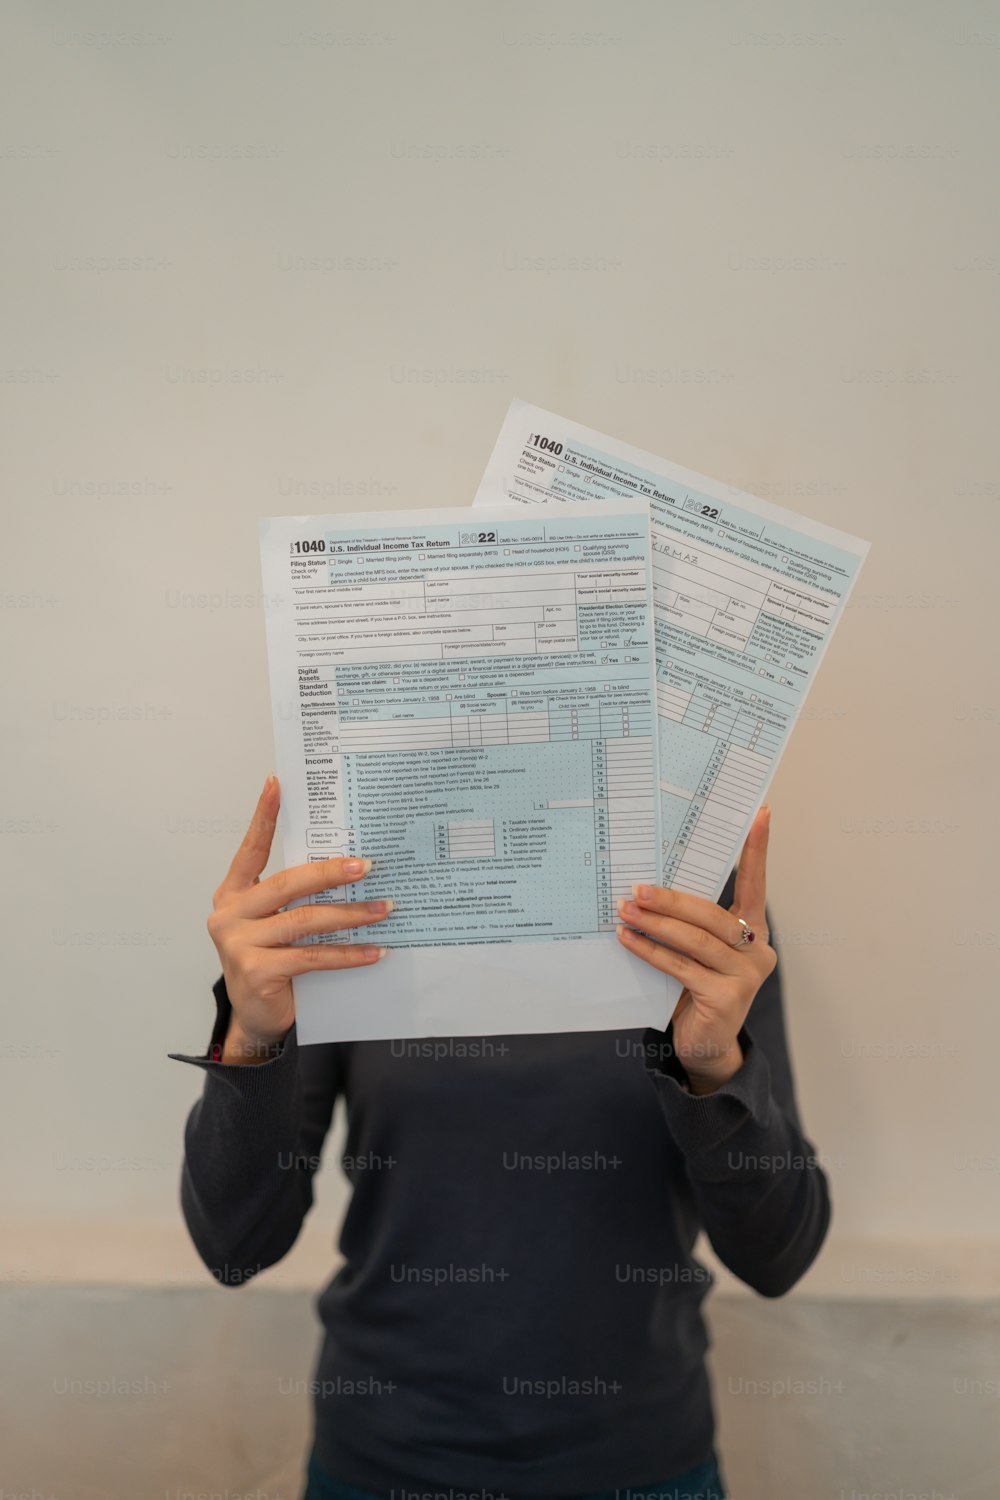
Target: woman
[519,1310]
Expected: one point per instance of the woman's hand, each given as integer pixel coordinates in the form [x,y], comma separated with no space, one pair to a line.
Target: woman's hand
[691,938]
[253,934]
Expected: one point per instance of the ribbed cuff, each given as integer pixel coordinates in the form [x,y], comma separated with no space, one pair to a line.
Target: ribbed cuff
[700,1123]
[250,1080]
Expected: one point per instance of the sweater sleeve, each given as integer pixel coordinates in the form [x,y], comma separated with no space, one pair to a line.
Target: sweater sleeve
[252,1143]
[764,1200]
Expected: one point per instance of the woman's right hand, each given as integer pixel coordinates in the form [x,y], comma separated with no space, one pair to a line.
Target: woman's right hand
[253,935]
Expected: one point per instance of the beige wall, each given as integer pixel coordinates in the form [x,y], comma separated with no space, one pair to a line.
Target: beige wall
[791,282]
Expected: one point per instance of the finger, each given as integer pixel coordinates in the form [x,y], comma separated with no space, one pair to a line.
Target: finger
[255,850]
[696,911]
[697,942]
[750,888]
[286,963]
[309,920]
[283,886]
[691,973]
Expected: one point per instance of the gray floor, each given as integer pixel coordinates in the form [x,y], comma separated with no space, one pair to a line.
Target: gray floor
[817,1400]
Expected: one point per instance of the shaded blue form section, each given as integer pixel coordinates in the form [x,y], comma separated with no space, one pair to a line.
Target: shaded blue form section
[485,700]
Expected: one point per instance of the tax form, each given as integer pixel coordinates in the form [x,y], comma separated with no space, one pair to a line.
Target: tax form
[469,699]
[747,596]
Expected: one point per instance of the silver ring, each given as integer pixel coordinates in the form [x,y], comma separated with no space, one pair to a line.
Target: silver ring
[746,936]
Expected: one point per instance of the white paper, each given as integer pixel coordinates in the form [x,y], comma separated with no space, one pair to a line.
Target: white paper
[469,699]
[747,596]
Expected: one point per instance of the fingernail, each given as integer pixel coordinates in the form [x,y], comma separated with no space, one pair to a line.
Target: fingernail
[628,907]
[269,782]
[641,892]
[372,952]
[380,908]
[356,866]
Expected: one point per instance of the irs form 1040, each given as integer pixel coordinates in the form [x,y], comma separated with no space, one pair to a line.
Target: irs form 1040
[469,699]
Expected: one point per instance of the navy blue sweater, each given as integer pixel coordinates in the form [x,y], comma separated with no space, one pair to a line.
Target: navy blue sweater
[519,1309]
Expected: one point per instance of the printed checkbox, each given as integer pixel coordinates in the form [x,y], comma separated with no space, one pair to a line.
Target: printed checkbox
[576,547]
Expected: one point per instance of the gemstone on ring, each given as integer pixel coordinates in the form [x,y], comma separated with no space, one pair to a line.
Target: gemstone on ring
[746,936]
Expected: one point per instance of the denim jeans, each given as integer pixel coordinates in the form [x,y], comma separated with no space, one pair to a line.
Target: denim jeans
[704,1482]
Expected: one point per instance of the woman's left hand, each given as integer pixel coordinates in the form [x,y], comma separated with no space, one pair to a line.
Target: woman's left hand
[692,938]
